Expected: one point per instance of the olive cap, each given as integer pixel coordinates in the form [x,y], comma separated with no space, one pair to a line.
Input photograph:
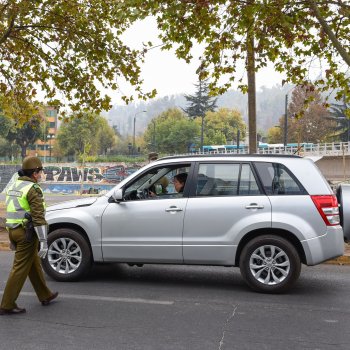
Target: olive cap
[153,156]
[31,163]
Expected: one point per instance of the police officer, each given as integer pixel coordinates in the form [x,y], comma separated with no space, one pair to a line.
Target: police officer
[26,196]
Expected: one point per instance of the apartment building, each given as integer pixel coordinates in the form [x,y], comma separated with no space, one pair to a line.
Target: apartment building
[45,149]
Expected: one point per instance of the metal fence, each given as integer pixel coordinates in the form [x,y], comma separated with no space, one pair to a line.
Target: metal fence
[319,149]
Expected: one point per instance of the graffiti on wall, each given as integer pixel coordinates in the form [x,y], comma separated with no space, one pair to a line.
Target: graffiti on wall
[68,179]
[94,174]
[94,179]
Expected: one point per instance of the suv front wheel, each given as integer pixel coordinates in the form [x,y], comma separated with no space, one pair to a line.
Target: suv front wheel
[269,264]
[69,256]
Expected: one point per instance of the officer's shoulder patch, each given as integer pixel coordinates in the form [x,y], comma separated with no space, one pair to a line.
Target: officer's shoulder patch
[37,188]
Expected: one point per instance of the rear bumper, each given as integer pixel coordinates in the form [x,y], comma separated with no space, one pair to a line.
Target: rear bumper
[325,247]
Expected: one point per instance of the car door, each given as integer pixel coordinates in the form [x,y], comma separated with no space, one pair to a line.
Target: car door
[146,229]
[226,203]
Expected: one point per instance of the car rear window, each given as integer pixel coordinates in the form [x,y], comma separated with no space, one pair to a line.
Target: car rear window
[232,179]
[278,180]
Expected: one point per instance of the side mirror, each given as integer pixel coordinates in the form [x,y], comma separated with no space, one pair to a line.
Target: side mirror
[118,195]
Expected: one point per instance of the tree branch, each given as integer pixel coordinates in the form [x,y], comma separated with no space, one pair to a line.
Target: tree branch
[345,55]
[8,31]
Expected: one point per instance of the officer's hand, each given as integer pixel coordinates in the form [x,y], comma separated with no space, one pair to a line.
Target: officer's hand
[43,249]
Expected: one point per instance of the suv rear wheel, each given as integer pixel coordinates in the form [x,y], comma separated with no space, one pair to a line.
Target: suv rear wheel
[269,264]
[69,255]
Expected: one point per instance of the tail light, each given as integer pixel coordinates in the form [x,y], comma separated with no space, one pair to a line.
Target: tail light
[328,208]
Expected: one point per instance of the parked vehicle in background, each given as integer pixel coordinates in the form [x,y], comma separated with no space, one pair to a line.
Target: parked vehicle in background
[266,215]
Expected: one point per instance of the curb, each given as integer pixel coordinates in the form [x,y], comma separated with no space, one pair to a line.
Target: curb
[342,260]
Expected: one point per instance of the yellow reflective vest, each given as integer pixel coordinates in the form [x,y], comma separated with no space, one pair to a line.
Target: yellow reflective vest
[17,203]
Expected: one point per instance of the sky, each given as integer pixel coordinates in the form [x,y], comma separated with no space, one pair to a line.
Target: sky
[169,75]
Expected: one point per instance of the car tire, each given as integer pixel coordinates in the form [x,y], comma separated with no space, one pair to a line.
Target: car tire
[69,255]
[270,264]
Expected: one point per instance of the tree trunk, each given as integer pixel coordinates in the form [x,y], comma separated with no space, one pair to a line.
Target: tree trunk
[251,92]
[23,151]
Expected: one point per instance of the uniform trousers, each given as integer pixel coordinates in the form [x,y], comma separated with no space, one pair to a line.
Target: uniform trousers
[26,264]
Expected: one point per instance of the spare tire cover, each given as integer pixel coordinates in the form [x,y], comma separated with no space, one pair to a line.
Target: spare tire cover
[343,195]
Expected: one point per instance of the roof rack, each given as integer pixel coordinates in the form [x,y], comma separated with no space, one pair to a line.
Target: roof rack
[230,155]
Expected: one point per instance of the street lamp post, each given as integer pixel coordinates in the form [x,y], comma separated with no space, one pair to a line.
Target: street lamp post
[285,138]
[51,136]
[202,132]
[134,134]
[45,140]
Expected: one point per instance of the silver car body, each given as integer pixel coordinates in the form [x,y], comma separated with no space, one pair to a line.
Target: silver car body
[201,230]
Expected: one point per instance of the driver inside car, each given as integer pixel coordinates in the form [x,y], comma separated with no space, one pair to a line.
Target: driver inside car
[179,181]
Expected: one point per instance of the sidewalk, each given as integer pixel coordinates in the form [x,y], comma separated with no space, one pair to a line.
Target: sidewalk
[342,260]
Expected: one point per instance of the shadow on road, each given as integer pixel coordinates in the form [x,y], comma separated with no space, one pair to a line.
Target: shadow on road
[219,279]
[168,275]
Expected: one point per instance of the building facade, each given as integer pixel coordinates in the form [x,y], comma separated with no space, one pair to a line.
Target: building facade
[45,149]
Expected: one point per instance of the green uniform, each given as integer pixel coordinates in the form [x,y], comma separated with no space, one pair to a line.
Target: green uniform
[26,260]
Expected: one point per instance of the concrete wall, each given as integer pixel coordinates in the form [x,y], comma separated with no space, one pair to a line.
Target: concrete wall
[335,168]
[6,172]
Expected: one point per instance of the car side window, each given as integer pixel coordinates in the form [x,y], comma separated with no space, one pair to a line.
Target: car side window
[278,180]
[157,183]
[226,180]
[248,184]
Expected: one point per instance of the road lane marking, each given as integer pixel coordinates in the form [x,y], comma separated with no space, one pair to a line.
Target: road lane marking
[101,298]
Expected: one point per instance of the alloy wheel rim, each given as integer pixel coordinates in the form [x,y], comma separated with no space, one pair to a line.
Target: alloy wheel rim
[269,264]
[64,255]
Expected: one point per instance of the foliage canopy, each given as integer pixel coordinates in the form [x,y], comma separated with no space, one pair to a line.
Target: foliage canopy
[291,34]
[171,132]
[221,126]
[90,135]
[23,136]
[68,50]
[200,103]
[308,117]
[340,113]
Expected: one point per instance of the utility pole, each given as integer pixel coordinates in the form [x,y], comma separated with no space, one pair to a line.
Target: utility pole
[202,133]
[286,122]
[154,136]
[134,134]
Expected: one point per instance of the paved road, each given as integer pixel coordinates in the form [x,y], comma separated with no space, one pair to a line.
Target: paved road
[174,307]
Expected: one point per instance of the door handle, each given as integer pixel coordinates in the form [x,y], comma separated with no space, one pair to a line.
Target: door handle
[170,209]
[254,206]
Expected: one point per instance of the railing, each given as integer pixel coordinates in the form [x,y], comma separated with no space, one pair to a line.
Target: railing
[320,149]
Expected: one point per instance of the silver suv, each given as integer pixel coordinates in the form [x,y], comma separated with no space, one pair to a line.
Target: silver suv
[265,214]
